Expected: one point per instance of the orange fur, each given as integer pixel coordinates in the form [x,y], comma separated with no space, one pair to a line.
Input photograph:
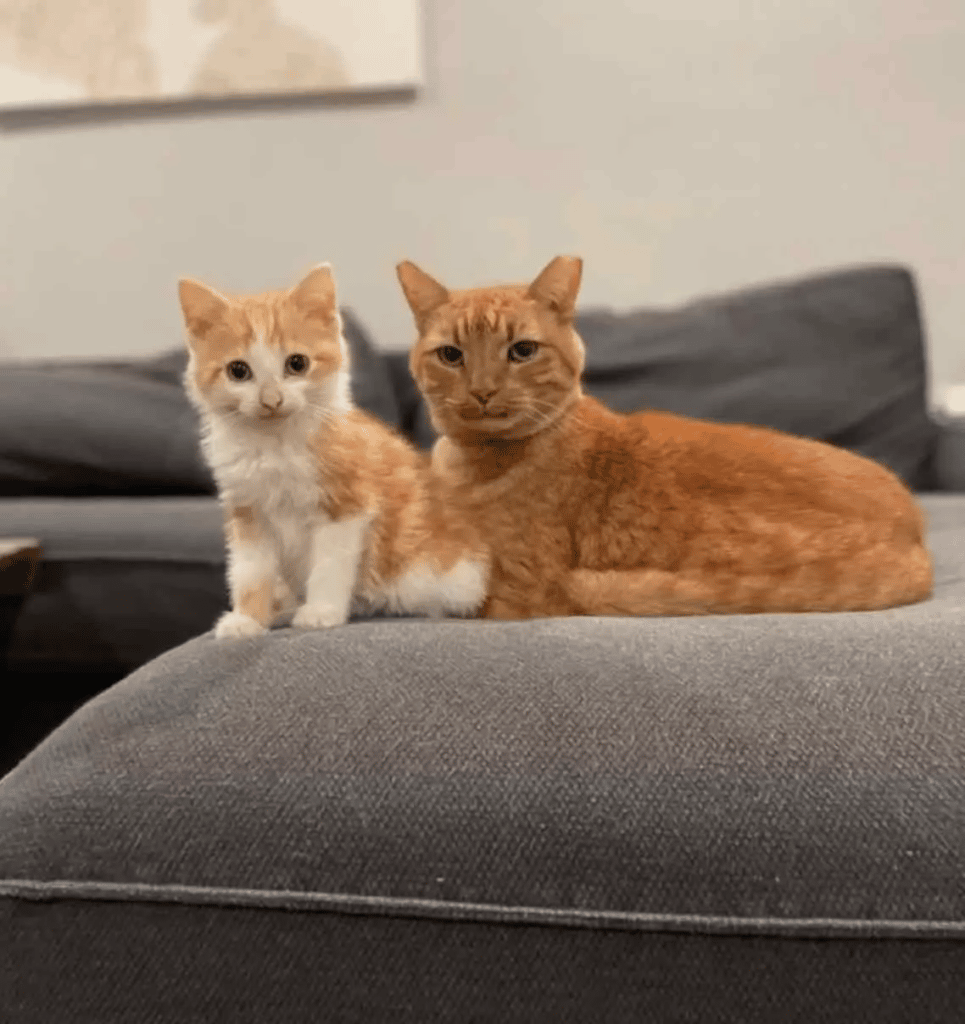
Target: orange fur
[587,511]
[302,472]
[364,465]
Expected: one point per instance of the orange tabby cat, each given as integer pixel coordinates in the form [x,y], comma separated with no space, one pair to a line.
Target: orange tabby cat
[325,506]
[588,511]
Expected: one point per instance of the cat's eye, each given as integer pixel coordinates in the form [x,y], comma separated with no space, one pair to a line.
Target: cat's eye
[450,355]
[296,363]
[239,370]
[521,351]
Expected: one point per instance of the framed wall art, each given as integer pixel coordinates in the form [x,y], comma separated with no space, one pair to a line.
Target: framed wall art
[65,52]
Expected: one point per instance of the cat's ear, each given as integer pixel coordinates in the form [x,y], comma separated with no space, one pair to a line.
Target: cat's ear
[315,293]
[558,284]
[423,293]
[202,307]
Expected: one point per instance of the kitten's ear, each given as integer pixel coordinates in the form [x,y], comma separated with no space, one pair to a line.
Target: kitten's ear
[315,292]
[423,293]
[202,306]
[558,285]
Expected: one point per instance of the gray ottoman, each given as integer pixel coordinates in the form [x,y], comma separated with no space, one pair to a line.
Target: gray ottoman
[755,818]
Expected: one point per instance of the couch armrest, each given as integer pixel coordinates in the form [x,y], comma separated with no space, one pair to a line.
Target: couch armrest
[948,460]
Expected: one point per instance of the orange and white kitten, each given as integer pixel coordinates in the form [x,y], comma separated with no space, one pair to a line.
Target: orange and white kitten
[587,511]
[326,508]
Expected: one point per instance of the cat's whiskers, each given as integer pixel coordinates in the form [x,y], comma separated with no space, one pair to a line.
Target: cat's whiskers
[541,418]
[533,402]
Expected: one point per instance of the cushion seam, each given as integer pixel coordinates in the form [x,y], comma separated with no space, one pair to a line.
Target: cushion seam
[478,913]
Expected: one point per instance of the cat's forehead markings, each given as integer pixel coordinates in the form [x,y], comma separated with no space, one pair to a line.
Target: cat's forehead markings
[479,312]
[483,322]
[260,322]
[265,358]
[505,324]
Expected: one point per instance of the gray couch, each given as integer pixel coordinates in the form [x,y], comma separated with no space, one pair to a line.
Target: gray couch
[745,818]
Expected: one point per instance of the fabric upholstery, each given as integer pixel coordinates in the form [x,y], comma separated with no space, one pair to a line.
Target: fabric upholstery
[96,430]
[948,459]
[672,817]
[837,356]
[104,962]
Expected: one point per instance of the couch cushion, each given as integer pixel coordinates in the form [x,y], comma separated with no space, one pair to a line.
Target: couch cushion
[120,579]
[688,799]
[126,428]
[96,430]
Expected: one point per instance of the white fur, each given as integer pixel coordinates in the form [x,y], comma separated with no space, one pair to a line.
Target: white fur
[335,551]
[423,589]
[234,625]
[250,565]
[272,472]
[265,465]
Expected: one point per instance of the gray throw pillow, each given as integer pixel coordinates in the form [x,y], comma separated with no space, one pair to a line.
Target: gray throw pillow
[127,428]
[839,357]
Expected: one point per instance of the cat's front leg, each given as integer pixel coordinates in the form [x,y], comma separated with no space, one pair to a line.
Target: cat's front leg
[334,557]
[253,575]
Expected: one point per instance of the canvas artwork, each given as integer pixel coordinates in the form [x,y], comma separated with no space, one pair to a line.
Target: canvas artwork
[59,52]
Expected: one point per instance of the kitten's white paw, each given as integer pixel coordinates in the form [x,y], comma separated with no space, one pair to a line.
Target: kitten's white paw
[318,616]
[236,624]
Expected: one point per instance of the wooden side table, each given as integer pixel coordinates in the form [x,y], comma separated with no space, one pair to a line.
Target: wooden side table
[18,563]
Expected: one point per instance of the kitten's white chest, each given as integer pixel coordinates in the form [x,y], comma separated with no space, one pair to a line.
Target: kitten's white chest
[265,472]
[275,475]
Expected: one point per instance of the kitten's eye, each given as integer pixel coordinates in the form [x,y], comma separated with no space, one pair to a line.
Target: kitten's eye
[239,370]
[522,351]
[450,355]
[296,363]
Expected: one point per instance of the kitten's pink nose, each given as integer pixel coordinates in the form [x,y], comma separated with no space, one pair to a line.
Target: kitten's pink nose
[483,396]
[270,398]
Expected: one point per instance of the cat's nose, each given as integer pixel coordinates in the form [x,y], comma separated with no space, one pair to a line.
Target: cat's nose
[482,397]
[270,398]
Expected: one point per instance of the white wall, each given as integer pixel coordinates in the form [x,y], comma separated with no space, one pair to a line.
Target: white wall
[680,146]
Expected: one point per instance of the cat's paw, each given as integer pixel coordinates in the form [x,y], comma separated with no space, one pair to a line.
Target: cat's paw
[319,616]
[232,625]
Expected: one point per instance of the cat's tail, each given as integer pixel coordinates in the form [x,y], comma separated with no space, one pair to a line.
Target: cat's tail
[880,576]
